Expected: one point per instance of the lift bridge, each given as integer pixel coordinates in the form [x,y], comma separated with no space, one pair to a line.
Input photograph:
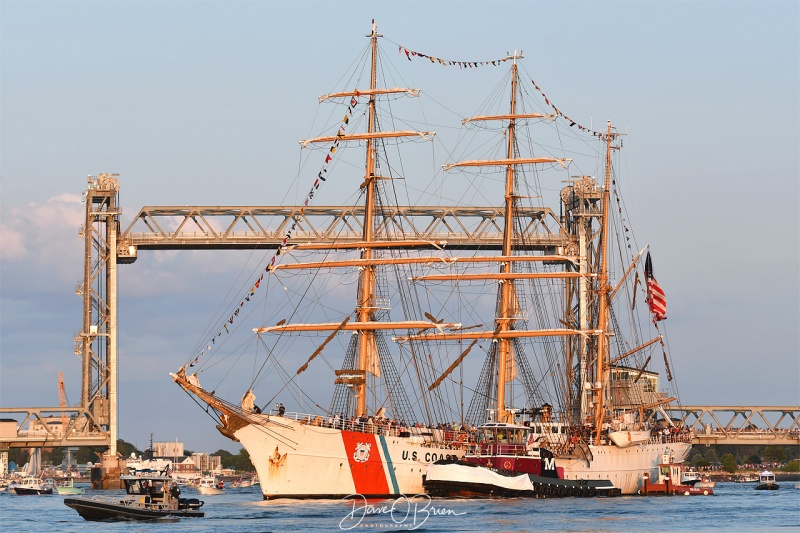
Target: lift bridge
[94,422]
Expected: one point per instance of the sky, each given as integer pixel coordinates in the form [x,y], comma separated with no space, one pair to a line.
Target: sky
[202,103]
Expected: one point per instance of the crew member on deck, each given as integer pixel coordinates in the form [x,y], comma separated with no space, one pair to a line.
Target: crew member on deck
[175,491]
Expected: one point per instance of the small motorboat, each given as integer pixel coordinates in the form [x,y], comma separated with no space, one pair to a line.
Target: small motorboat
[68,487]
[147,497]
[766,481]
[209,486]
[689,476]
[692,478]
[31,486]
[705,483]
[624,439]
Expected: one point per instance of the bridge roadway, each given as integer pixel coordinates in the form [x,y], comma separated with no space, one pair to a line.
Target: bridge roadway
[746,425]
[248,227]
[740,425]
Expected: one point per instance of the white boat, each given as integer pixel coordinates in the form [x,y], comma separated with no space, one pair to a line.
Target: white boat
[624,439]
[548,299]
[209,486]
[693,478]
[766,481]
[68,487]
[31,486]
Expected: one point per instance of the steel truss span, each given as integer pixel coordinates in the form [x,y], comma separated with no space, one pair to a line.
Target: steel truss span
[742,425]
[247,227]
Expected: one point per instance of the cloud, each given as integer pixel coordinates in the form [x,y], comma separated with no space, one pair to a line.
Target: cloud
[43,239]
[12,247]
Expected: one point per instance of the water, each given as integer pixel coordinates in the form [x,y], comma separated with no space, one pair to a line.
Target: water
[735,507]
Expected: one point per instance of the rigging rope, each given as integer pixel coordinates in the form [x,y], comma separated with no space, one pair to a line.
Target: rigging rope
[282,249]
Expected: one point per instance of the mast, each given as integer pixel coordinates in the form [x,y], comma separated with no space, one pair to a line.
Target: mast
[508,306]
[367,347]
[603,294]
[364,326]
[505,347]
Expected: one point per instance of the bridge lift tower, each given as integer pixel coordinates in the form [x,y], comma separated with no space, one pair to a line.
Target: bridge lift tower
[94,422]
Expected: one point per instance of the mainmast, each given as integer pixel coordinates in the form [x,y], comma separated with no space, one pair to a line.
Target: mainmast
[507,289]
[603,294]
[508,306]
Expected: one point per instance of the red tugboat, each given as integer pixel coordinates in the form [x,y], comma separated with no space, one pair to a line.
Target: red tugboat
[669,481]
[507,462]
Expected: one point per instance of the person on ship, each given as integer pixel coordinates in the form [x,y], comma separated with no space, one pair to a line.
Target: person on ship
[281,409]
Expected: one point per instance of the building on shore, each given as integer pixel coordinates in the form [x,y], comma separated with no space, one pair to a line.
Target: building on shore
[170,456]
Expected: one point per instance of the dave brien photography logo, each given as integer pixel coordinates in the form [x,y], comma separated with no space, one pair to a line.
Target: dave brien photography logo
[406,512]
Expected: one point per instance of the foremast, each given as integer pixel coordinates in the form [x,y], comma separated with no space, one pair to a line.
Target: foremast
[365,326]
[367,347]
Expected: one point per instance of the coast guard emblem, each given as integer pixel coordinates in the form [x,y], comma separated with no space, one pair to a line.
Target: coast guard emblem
[361,455]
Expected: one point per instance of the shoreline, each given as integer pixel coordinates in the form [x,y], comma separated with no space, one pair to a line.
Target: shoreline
[740,474]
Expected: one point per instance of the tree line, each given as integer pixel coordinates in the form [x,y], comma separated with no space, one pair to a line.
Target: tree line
[730,456]
[93,454]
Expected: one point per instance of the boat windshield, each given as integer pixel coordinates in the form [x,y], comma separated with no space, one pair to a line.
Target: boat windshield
[502,435]
[143,486]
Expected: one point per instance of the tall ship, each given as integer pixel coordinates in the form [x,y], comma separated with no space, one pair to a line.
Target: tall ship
[440,326]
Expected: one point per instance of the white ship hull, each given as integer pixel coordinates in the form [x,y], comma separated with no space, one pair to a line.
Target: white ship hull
[302,460]
[624,467]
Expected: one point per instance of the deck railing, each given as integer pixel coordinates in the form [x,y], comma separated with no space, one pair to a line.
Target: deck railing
[427,436]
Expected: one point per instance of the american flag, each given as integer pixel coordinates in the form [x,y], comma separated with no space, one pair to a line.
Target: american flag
[655,295]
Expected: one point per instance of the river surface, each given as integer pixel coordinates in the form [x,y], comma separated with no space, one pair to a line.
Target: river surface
[734,507]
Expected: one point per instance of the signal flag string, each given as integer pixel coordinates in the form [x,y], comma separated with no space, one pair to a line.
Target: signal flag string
[495,62]
[282,249]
